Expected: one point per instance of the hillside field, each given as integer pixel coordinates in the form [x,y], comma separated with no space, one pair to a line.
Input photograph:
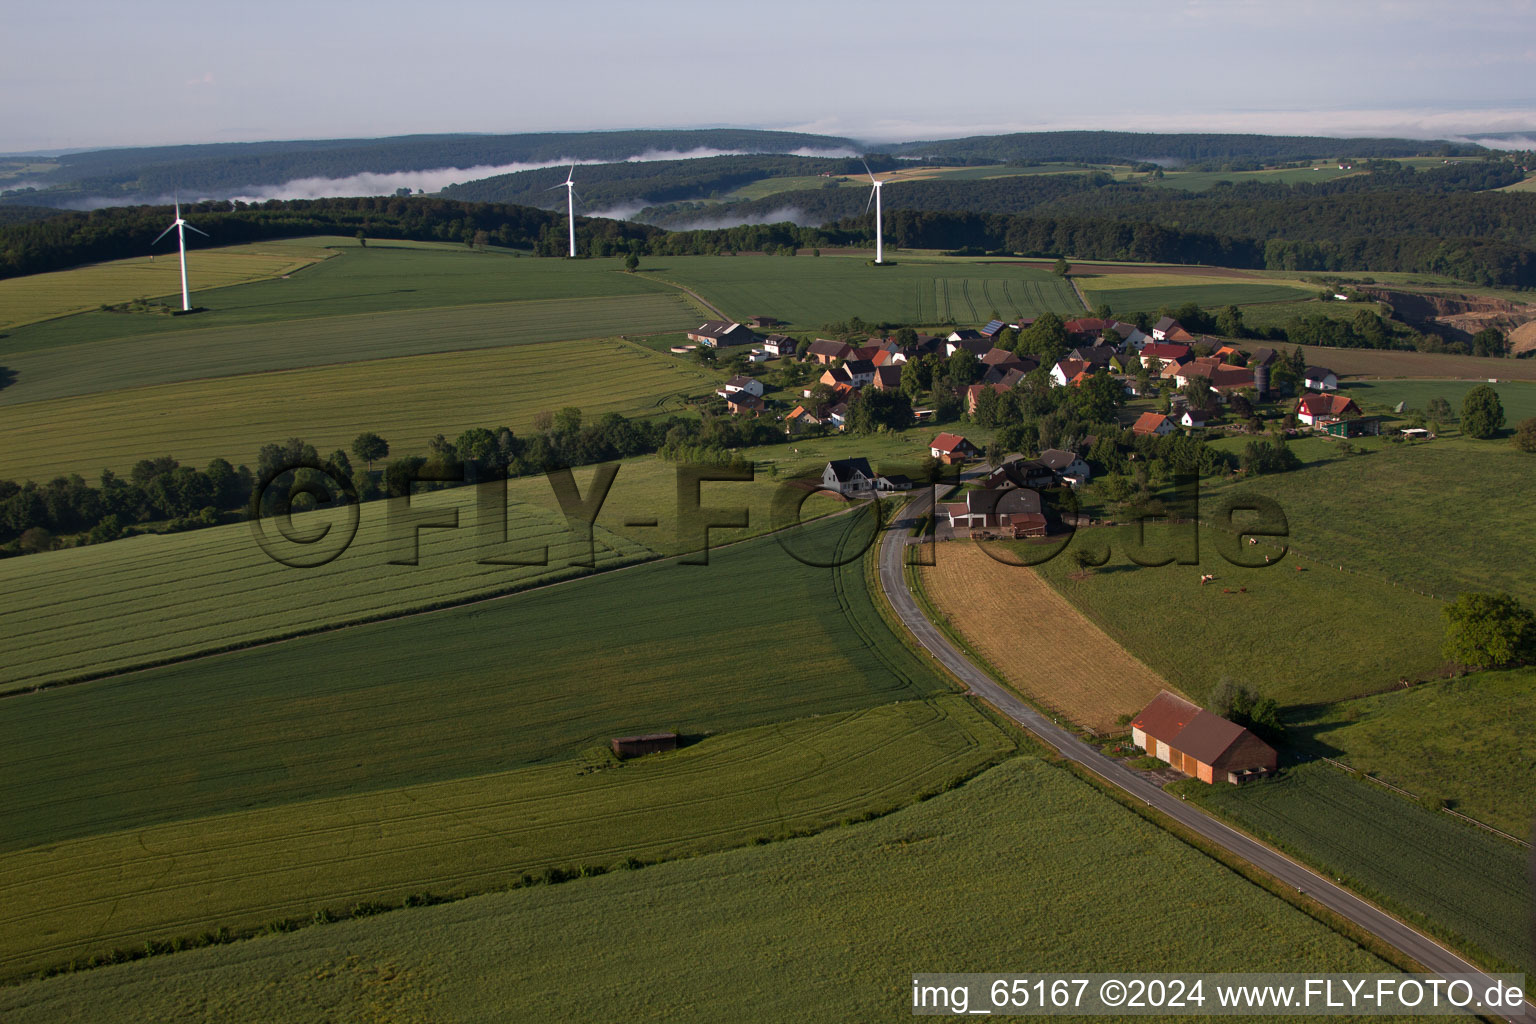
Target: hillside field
[25,300]
[1300,637]
[1137,292]
[1420,863]
[1476,756]
[819,910]
[808,292]
[250,868]
[407,400]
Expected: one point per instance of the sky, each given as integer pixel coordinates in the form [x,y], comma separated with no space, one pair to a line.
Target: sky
[88,74]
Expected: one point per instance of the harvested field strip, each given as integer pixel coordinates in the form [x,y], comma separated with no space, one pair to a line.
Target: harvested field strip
[1043,646]
[245,869]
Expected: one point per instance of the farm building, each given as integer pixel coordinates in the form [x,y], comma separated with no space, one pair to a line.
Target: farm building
[651,743]
[952,448]
[1320,378]
[1157,355]
[1017,509]
[1198,743]
[824,351]
[719,334]
[1320,410]
[1359,426]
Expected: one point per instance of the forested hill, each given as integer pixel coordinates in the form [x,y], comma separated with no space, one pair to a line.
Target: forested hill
[632,185]
[1224,150]
[225,168]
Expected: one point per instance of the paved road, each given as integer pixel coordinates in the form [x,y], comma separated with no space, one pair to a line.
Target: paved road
[1420,947]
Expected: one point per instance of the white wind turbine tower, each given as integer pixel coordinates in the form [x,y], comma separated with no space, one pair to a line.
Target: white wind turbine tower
[874,197]
[570,205]
[181,241]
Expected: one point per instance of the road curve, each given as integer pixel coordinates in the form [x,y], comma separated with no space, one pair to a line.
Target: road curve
[1413,943]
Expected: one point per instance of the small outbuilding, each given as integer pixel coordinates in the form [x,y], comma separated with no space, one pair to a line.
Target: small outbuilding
[1198,743]
[637,746]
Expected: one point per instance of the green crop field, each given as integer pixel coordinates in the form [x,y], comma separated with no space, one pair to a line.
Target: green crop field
[24,300]
[385,277]
[90,367]
[1399,513]
[753,637]
[808,292]
[407,400]
[1299,637]
[693,941]
[1128,293]
[248,868]
[1476,756]
[1517,397]
[1421,863]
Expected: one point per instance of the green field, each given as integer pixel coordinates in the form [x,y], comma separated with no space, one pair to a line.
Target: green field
[383,278]
[407,400]
[248,868]
[808,292]
[801,930]
[1423,864]
[1264,315]
[24,300]
[1528,185]
[1129,293]
[1474,756]
[1300,637]
[1401,513]
[1199,181]
[1517,397]
[1373,363]
[91,367]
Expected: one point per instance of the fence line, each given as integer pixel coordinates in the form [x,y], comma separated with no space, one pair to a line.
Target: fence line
[1415,798]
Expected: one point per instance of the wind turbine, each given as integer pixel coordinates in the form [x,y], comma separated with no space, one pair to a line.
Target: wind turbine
[181,241]
[570,205]
[874,197]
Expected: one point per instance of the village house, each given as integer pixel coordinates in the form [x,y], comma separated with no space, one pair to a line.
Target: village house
[992,329]
[888,377]
[1067,370]
[720,334]
[973,395]
[860,372]
[1317,410]
[977,346]
[1194,418]
[848,476]
[1156,356]
[779,345]
[1200,744]
[824,351]
[739,402]
[1169,329]
[1320,378]
[952,448]
[750,385]
[1069,467]
[1152,424]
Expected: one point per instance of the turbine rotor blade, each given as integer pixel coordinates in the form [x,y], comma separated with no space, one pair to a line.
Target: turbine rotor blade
[163,234]
[200,231]
[870,201]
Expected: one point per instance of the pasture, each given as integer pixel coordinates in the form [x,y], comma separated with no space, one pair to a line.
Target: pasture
[1135,292]
[808,292]
[688,941]
[1476,754]
[92,367]
[385,277]
[754,637]
[1400,514]
[1517,397]
[1298,636]
[1371,363]
[1426,866]
[25,300]
[406,399]
[249,868]
[1200,181]
[1043,646]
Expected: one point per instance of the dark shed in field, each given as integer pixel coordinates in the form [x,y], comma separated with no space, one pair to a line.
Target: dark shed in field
[652,743]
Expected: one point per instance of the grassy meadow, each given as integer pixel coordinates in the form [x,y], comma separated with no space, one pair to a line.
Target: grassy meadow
[1459,880]
[1517,397]
[407,400]
[693,941]
[247,868]
[808,292]
[1361,363]
[1300,637]
[1476,757]
[25,300]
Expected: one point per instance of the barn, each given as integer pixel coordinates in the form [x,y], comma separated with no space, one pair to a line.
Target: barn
[1198,743]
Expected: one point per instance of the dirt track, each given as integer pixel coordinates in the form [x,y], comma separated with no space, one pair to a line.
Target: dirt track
[1043,646]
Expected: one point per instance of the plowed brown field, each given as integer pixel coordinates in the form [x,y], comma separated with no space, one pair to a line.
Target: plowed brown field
[1043,646]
